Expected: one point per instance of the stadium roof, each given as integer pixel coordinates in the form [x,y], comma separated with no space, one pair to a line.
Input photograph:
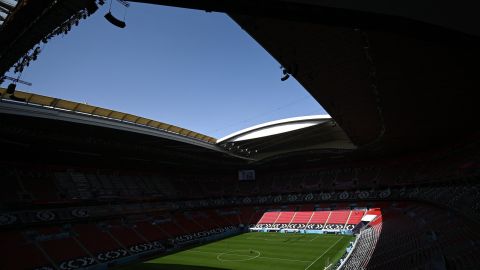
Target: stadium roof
[98,112]
[288,136]
[462,16]
[6,8]
[272,139]
[275,127]
[391,75]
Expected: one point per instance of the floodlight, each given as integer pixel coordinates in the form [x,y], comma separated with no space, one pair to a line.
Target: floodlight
[118,23]
[11,88]
[285,77]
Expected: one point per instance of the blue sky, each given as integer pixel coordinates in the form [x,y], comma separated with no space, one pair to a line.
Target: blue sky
[189,68]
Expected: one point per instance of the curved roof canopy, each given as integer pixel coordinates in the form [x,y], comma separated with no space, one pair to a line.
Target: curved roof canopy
[275,127]
[287,136]
[99,112]
[272,139]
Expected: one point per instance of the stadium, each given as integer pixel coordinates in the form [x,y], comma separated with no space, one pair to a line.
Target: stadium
[388,179]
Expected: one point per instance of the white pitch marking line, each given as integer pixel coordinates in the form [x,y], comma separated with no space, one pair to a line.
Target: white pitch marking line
[245,255]
[207,252]
[323,253]
[282,239]
[281,259]
[249,257]
[266,239]
[313,238]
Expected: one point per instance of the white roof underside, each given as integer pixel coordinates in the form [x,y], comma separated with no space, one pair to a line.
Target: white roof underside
[276,127]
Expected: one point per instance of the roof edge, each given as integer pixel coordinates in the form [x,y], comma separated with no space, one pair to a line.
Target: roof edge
[276,122]
[85,109]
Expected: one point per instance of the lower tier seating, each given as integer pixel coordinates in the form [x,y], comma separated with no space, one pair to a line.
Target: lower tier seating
[416,236]
[334,219]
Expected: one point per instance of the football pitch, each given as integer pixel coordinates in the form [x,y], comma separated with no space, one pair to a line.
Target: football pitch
[257,250]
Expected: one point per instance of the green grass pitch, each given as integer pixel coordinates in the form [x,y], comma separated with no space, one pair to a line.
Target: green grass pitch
[249,251]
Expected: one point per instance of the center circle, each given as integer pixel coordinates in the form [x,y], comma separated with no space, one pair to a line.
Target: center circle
[238,255]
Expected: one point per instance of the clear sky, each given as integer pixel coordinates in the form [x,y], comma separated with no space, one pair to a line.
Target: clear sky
[189,68]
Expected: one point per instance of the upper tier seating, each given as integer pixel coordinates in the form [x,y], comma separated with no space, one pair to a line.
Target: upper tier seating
[59,184]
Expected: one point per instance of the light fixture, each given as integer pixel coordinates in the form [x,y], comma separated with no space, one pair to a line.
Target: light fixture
[118,23]
[11,88]
[285,74]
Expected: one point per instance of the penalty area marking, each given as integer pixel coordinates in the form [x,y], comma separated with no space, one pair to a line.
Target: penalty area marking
[310,265]
[232,252]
